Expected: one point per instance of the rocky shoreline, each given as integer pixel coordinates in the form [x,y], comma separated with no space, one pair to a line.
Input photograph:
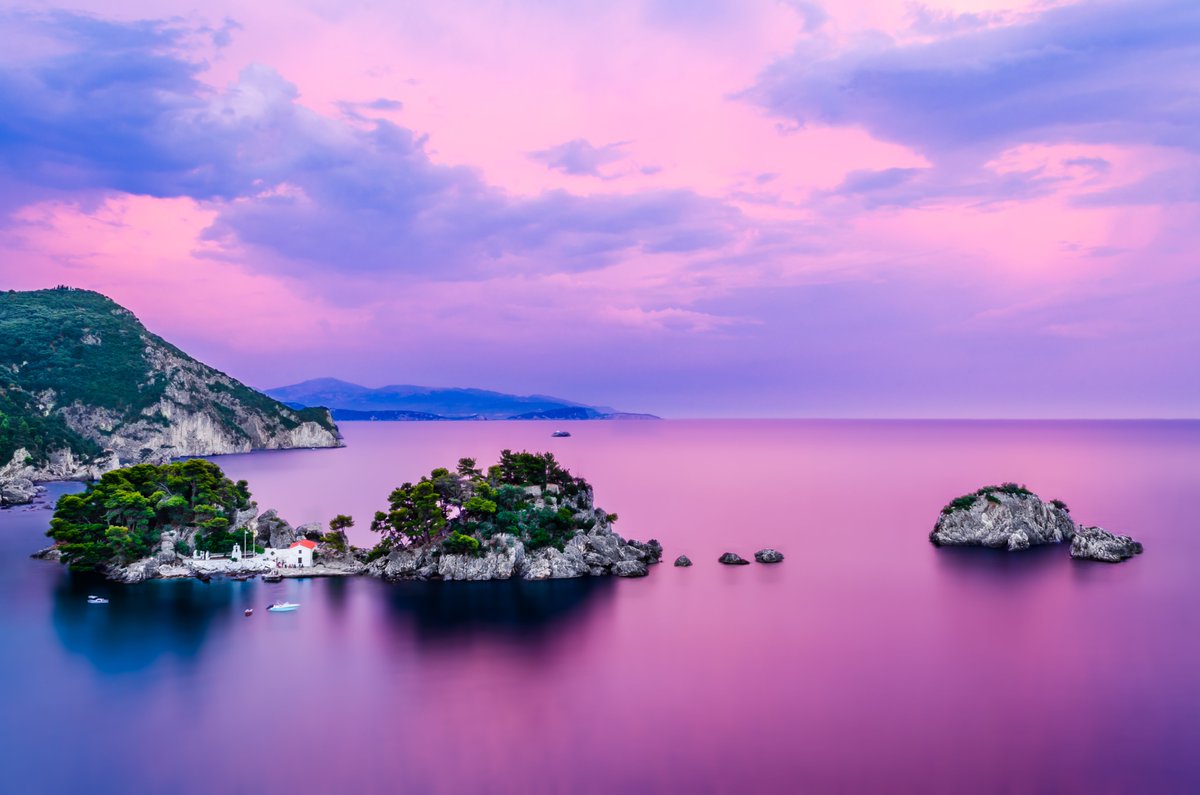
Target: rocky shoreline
[598,552]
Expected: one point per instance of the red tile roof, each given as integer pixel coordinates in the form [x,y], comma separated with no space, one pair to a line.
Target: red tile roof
[304,543]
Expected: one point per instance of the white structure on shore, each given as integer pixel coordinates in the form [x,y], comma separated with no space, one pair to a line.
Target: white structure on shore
[298,555]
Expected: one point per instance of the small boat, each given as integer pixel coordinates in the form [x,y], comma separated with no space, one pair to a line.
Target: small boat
[272,576]
[561,434]
[249,612]
[96,600]
[282,607]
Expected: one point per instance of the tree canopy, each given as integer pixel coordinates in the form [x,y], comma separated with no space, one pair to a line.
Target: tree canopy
[122,517]
[527,495]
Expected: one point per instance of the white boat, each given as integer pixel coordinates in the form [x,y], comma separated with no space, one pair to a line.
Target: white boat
[561,434]
[282,607]
[96,600]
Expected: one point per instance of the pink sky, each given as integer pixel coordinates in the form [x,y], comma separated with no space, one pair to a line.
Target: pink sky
[704,208]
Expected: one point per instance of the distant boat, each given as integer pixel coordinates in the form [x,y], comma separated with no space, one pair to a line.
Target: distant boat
[282,607]
[249,611]
[560,434]
[272,576]
[96,600]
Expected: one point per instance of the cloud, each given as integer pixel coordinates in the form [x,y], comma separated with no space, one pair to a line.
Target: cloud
[121,107]
[811,14]
[578,157]
[1110,72]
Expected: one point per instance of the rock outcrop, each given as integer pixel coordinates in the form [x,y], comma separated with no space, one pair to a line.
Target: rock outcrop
[768,556]
[1095,543]
[597,552]
[1013,518]
[1003,517]
[97,391]
[733,559]
[683,561]
[272,531]
[17,491]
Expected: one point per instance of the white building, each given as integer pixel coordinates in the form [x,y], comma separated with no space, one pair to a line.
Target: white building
[299,554]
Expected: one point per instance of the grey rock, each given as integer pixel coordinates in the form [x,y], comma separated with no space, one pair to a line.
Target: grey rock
[683,560]
[1003,521]
[17,491]
[312,531]
[49,553]
[166,547]
[630,568]
[404,563]
[733,559]
[1095,543]
[768,556]
[273,531]
[244,518]
[500,562]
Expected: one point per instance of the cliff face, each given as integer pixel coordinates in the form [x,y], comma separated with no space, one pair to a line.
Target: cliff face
[84,388]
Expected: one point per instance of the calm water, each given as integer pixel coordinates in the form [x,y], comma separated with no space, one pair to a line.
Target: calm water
[868,661]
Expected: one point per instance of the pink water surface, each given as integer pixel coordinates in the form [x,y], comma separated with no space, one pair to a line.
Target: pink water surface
[869,661]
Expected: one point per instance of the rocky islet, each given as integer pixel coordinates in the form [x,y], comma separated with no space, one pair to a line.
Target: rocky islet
[1013,518]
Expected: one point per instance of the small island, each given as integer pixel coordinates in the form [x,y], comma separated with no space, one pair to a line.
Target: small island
[525,517]
[1012,517]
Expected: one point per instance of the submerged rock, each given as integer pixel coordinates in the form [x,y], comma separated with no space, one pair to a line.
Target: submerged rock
[1095,543]
[768,556]
[683,560]
[733,559]
[1003,517]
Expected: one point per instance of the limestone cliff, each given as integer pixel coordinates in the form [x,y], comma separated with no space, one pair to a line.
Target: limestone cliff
[84,388]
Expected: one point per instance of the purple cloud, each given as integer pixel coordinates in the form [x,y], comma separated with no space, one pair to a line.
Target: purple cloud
[123,109]
[579,157]
[1109,72]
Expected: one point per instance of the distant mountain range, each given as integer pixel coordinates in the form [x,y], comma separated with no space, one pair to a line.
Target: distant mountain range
[406,403]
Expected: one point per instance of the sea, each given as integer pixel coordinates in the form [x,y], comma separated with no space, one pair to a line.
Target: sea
[868,661]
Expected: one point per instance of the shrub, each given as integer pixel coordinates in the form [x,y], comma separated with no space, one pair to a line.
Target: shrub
[460,544]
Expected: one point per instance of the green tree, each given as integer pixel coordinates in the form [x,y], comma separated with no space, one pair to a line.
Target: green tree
[415,512]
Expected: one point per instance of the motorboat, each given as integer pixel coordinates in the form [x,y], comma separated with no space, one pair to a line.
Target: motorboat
[282,607]
[96,600]
[248,612]
[272,576]
[561,434]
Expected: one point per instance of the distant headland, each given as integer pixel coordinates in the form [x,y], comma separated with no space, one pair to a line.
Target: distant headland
[85,388]
[408,403]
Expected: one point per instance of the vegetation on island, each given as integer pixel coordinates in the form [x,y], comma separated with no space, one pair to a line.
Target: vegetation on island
[336,539]
[526,495]
[77,347]
[121,517]
[988,493]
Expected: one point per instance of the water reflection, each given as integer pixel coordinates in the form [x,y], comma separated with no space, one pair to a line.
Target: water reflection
[142,623]
[981,564]
[513,608]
